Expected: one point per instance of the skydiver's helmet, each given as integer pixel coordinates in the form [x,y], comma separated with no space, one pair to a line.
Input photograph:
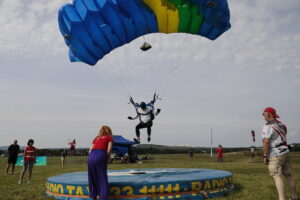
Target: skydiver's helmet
[143,105]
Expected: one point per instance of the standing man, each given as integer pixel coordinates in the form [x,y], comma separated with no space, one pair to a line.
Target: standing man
[276,153]
[190,152]
[13,151]
[63,157]
[252,150]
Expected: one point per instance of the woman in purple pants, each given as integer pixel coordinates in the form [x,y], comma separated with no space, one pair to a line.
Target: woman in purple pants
[97,164]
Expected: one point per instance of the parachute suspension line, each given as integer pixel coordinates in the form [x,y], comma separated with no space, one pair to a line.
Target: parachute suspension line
[126,92]
[177,57]
[156,62]
[114,75]
[117,77]
[153,59]
[170,59]
[126,63]
[148,59]
[174,65]
[122,77]
[191,56]
[161,50]
[183,46]
[195,53]
[136,110]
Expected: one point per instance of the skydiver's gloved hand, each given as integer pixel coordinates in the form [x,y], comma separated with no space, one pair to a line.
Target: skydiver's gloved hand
[158,110]
[154,98]
[130,118]
[131,100]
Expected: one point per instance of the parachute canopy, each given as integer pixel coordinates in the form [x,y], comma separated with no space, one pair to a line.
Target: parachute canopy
[93,28]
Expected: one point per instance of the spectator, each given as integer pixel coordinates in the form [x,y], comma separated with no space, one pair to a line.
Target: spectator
[13,151]
[220,153]
[97,164]
[72,147]
[29,160]
[125,158]
[63,157]
[252,152]
[276,153]
[191,152]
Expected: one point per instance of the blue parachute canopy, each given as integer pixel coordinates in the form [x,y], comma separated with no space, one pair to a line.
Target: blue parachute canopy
[93,28]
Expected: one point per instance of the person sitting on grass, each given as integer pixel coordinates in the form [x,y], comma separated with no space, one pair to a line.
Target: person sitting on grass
[29,160]
[125,158]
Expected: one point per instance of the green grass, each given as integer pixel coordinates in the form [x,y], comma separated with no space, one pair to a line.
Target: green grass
[251,178]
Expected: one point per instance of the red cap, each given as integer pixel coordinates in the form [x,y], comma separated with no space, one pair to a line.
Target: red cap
[272,111]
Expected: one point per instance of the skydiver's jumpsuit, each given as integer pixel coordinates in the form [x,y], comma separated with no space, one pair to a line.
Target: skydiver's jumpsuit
[146,117]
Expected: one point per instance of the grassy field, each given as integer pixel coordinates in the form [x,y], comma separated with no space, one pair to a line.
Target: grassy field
[251,178]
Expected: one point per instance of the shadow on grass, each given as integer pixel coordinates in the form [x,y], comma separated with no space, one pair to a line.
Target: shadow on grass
[238,187]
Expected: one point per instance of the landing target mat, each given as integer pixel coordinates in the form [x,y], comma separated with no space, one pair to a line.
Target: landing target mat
[146,184]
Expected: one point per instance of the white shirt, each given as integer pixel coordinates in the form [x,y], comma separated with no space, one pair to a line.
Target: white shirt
[277,135]
[145,115]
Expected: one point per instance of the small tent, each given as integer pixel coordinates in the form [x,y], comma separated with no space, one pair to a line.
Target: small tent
[121,145]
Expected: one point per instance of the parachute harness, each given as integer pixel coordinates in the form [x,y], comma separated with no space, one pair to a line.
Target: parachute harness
[136,110]
[155,98]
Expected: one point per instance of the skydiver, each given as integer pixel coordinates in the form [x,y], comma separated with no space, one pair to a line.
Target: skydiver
[146,114]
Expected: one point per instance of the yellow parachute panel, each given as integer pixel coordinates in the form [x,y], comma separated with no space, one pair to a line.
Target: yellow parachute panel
[166,13]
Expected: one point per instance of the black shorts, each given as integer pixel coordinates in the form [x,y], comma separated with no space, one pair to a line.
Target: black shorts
[12,159]
[145,125]
[72,149]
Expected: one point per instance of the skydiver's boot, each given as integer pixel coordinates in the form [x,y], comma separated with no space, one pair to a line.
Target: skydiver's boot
[149,132]
[138,140]
[137,132]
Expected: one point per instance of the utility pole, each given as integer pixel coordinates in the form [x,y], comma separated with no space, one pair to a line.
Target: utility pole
[211,143]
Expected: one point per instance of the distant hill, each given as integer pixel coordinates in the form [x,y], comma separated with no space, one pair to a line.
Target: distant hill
[161,149]
[4,148]
[150,149]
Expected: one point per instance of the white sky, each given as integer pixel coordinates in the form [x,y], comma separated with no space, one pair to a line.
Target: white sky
[224,84]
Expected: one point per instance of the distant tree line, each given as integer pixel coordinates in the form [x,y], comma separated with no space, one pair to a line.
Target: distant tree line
[154,149]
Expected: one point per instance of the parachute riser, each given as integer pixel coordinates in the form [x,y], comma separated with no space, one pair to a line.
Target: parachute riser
[136,110]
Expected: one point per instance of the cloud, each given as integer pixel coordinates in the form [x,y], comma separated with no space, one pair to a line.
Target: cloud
[29,28]
[264,35]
